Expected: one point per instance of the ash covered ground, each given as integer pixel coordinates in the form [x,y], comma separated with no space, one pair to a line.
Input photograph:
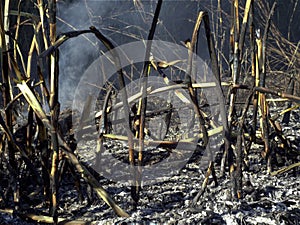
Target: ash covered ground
[266,199]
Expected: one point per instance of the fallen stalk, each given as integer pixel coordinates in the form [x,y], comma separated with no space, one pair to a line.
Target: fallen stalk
[150,92]
[185,144]
[46,219]
[278,93]
[285,169]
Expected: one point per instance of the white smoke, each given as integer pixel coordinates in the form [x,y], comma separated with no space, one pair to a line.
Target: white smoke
[122,22]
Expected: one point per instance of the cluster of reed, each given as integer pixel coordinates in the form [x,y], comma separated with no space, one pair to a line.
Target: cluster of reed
[42,148]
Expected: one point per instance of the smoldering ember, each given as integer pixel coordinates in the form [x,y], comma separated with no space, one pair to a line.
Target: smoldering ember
[149,112]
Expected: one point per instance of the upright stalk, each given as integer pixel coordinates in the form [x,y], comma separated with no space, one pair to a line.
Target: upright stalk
[253,72]
[262,98]
[235,58]
[143,102]
[54,111]
[221,35]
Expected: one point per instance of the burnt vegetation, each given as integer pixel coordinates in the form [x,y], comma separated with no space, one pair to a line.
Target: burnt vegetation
[257,84]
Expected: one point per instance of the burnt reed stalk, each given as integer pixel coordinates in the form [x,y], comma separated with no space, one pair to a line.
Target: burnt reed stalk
[239,45]
[253,72]
[240,145]
[188,78]
[54,112]
[233,68]
[193,96]
[143,106]
[262,98]
[216,73]
[103,127]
